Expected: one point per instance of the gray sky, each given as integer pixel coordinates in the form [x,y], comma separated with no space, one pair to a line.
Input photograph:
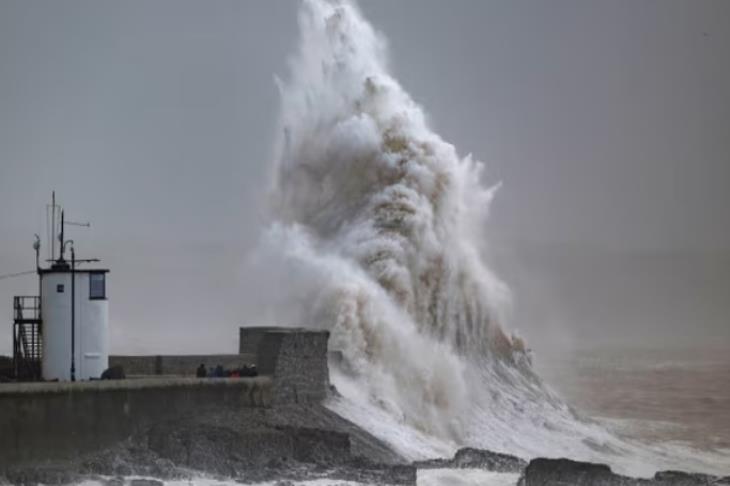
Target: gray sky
[608,123]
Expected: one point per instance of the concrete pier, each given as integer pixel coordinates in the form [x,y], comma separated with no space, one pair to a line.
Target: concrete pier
[51,421]
[56,421]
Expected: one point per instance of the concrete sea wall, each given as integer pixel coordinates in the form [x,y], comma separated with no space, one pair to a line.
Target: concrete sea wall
[56,421]
[297,361]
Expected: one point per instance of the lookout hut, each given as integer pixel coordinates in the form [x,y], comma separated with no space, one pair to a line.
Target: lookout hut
[62,333]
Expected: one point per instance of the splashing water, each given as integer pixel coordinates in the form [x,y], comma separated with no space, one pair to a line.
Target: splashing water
[377,238]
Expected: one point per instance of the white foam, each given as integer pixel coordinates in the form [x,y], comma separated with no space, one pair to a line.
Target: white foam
[434,477]
[465,477]
[207,481]
[376,237]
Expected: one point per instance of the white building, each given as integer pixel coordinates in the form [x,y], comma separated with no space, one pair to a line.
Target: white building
[78,297]
[62,333]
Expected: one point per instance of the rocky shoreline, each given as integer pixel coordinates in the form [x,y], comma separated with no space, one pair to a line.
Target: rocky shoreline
[301,443]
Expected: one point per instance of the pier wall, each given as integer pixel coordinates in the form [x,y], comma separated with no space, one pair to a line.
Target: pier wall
[297,361]
[61,420]
[44,421]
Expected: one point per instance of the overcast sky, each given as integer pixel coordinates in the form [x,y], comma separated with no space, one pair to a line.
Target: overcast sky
[607,122]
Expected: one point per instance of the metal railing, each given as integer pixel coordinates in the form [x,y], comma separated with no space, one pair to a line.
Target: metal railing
[27,337]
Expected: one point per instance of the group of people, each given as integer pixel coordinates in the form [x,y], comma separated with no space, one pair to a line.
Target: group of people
[220,372]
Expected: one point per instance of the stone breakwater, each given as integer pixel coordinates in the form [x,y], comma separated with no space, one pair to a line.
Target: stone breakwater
[272,427]
[269,427]
[260,445]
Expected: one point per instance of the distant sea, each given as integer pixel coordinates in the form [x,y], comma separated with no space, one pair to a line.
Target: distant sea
[678,396]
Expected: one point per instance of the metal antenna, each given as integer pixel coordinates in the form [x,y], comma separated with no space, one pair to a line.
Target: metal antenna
[37,248]
[53,225]
[60,239]
[73,223]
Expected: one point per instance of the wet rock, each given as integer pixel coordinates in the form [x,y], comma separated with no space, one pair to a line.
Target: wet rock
[471,458]
[680,478]
[146,482]
[559,472]
[554,472]
[364,471]
[46,474]
[118,481]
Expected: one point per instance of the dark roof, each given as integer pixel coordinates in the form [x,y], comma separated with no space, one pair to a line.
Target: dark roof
[60,269]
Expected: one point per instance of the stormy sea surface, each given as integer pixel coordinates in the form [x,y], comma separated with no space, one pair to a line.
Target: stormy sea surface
[376,235]
[670,396]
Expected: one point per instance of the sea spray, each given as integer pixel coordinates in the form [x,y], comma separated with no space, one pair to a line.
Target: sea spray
[384,211]
[376,236]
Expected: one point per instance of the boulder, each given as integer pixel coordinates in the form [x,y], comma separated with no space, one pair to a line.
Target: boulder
[471,458]
[559,472]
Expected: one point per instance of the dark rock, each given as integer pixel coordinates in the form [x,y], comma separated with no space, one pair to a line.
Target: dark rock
[559,472]
[377,474]
[118,481]
[682,478]
[47,474]
[548,472]
[146,482]
[470,458]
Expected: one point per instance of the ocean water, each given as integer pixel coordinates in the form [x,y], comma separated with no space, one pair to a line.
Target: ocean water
[678,396]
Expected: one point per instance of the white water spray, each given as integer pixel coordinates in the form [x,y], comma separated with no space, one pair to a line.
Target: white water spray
[376,238]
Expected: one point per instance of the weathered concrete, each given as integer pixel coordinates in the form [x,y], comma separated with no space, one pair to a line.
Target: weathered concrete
[252,445]
[249,338]
[49,421]
[179,365]
[298,363]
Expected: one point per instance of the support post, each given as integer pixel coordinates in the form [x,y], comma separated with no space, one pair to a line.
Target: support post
[53,226]
[73,313]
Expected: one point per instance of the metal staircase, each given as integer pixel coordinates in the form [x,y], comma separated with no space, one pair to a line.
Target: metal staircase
[27,338]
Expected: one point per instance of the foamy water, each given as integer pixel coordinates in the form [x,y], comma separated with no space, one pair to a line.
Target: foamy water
[209,481]
[376,236]
[432,477]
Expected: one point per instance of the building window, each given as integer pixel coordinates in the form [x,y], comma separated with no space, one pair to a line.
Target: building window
[59,288]
[97,286]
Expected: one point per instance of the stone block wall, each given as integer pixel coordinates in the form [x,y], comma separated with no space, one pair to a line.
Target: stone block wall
[49,421]
[297,361]
[249,338]
[44,421]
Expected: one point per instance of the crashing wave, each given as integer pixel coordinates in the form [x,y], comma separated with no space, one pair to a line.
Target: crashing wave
[377,236]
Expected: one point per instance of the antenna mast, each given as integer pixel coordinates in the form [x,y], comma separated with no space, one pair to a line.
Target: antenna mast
[53,225]
[61,240]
